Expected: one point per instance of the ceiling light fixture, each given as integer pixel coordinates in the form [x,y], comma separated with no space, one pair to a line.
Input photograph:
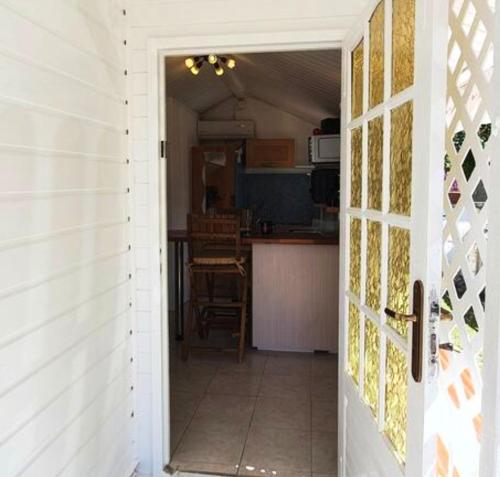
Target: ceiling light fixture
[195,63]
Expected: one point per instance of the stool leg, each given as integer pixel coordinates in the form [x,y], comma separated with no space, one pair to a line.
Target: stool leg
[189,325]
[243,318]
[187,332]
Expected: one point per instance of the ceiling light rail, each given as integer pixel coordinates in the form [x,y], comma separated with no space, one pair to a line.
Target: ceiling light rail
[195,63]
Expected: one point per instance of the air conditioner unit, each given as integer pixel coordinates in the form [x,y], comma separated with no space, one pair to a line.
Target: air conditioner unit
[226,129]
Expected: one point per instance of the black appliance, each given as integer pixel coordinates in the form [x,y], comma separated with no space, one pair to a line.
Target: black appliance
[325,186]
[330,126]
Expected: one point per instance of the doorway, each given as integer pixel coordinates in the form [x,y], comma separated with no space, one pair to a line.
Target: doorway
[275,413]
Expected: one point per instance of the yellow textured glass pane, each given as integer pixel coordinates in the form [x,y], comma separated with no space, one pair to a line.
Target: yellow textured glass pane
[356,152]
[403,44]
[373,264]
[372,353]
[377,56]
[401,158]
[357,81]
[355,257]
[375,158]
[398,286]
[396,400]
[353,343]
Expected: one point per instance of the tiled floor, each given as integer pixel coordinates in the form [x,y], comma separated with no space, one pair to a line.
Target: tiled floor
[273,415]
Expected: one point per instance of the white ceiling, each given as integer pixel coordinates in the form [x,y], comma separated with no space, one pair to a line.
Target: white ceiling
[304,83]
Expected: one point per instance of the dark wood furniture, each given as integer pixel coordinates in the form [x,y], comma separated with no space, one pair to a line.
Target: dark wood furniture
[272,153]
[214,246]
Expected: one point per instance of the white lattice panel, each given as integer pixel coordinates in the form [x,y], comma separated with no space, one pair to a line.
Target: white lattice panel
[470,59]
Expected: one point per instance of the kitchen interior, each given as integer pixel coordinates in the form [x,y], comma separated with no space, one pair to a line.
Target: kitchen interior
[253,145]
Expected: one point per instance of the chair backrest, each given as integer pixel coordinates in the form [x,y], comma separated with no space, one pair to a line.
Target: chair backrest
[211,233]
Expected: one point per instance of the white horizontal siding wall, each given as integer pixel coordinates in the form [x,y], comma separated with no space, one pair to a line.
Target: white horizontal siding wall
[314,20]
[66,375]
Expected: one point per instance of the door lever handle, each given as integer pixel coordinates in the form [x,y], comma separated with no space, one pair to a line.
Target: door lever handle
[417,321]
[400,316]
[448,347]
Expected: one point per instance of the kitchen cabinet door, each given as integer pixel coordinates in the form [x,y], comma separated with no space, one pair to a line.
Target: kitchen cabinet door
[272,153]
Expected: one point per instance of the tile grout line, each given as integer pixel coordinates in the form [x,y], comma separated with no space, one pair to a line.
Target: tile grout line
[311,408]
[192,416]
[251,420]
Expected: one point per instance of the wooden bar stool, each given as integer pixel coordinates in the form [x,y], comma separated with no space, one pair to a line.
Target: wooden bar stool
[215,252]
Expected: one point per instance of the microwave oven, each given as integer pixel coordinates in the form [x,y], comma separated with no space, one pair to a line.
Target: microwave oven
[324,148]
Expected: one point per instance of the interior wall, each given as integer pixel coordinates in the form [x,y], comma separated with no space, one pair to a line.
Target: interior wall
[67,355]
[182,125]
[270,122]
[319,21]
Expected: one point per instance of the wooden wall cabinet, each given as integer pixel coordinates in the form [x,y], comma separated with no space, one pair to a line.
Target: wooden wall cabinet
[272,153]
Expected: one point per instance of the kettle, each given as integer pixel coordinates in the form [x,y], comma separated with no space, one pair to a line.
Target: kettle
[266,227]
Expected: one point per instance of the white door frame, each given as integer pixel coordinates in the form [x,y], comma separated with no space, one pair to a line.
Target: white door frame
[490,406]
[157,50]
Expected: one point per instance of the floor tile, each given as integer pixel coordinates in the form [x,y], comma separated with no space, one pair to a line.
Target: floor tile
[177,429]
[250,471]
[208,447]
[223,413]
[282,413]
[190,381]
[324,452]
[325,365]
[203,467]
[202,365]
[298,387]
[277,450]
[183,405]
[287,364]
[253,362]
[240,384]
[324,416]
[324,388]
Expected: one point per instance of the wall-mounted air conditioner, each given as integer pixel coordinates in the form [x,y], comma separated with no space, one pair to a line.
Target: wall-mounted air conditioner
[226,129]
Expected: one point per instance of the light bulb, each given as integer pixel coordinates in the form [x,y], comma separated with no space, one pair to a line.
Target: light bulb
[218,70]
[212,59]
[189,62]
[231,63]
[195,70]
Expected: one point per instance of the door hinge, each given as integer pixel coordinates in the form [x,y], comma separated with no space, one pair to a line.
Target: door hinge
[163,149]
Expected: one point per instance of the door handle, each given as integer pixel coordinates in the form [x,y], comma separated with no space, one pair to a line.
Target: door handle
[417,320]
[448,347]
[400,316]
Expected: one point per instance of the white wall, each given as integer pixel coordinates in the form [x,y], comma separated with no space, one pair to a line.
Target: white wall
[314,21]
[66,402]
[270,122]
[182,125]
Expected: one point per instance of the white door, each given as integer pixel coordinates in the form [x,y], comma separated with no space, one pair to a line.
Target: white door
[394,94]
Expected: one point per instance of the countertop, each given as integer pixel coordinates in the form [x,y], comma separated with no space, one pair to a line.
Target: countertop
[279,237]
[292,238]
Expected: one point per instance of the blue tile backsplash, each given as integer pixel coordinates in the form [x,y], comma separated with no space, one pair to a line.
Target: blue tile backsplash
[282,198]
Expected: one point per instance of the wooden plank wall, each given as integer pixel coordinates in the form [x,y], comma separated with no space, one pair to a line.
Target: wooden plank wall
[66,376]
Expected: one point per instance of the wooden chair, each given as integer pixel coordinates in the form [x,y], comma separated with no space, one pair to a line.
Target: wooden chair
[215,251]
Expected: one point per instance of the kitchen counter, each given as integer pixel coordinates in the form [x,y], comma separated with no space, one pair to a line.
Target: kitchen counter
[291,239]
[295,283]
[295,296]
[279,237]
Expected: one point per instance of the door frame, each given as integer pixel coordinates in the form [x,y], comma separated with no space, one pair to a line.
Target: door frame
[490,405]
[157,50]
